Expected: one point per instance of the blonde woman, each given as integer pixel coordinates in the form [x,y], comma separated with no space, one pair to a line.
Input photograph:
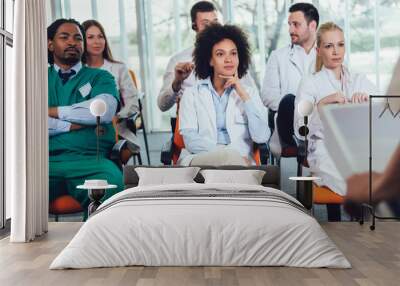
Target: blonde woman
[332,83]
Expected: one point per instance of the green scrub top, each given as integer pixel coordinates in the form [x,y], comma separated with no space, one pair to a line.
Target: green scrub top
[88,83]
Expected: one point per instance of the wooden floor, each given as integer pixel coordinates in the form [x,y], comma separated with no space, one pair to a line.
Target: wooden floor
[375,257]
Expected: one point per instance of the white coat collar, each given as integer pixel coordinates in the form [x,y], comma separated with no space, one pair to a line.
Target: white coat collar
[296,53]
[106,65]
[203,87]
[208,103]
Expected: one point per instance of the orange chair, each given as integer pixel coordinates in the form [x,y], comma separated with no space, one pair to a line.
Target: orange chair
[324,196]
[178,144]
[139,122]
[66,204]
[321,195]
[63,205]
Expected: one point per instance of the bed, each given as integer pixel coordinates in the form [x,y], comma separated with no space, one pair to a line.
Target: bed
[197,224]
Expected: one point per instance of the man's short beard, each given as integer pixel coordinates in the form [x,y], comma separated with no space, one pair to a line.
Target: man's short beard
[301,41]
[69,60]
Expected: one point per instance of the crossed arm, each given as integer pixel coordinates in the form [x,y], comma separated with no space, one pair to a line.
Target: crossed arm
[62,119]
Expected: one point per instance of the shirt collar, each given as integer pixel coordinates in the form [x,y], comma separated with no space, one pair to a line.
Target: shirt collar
[300,48]
[77,67]
[207,82]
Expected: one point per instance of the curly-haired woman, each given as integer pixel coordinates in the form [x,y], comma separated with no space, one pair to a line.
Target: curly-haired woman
[219,118]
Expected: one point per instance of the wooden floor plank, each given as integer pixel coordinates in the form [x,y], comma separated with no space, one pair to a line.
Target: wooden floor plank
[375,258]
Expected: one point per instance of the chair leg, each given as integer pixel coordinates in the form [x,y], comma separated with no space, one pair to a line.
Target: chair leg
[299,170]
[271,158]
[334,212]
[146,143]
[140,159]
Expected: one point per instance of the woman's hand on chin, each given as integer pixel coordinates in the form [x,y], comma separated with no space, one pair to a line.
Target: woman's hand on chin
[233,81]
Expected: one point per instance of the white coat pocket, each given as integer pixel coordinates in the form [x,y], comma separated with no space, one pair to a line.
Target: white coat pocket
[240,118]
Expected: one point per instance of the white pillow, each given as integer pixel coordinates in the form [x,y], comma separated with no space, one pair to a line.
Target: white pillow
[248,177]
[166,176]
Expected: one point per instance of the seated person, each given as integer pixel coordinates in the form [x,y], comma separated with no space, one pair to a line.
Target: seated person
[178,75]
[98,55]
[72,143]
[219,118]
[331,84]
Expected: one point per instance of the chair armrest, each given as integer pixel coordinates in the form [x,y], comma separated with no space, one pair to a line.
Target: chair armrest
[166,152]
[116,152]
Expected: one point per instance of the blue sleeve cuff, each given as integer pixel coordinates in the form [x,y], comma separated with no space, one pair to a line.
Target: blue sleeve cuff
[63,112]
[57,126]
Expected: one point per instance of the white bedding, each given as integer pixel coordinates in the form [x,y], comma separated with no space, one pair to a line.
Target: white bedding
[187,230]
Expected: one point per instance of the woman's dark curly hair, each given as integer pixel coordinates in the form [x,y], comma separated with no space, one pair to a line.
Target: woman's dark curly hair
[212,35]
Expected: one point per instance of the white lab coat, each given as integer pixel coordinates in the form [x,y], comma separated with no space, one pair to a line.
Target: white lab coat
[167,97]
[197,112]
[129,95]
[283,73]
[314,88]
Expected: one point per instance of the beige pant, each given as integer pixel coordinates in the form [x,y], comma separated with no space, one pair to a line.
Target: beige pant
[221,156]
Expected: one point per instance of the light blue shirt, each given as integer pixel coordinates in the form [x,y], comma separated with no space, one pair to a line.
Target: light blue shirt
[79,113]
[220,104]
[257,124]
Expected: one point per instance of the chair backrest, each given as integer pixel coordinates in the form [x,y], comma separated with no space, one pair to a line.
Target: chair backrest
[136,83]
[134,78]
[114,123]
[178,139]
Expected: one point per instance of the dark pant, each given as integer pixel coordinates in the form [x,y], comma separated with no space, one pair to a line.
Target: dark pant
[285,118]
[271,121]
[394,206]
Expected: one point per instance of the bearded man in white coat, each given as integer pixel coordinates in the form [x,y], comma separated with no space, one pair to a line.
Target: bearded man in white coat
[286,67]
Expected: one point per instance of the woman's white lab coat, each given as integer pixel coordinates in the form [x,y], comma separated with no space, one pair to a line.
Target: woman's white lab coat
[197,112]
[314,88]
